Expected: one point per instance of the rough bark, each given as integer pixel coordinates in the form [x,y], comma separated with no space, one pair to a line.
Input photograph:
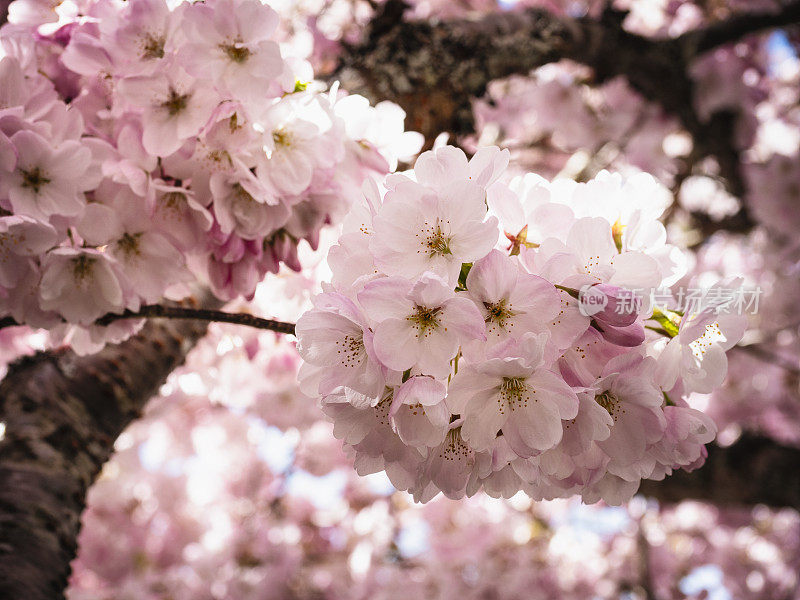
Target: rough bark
[62,413]
[435,70]
[754,470]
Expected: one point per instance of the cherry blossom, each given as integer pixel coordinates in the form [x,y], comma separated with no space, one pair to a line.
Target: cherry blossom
[514,395]
[512,301]
[696,356]
[45,181]
[163,147]
[150,261]
[21,237]
[419,413]
[230,43]
[337,345]
[82,285]
[423,228]
[511,366]
[175,107]
[421,324]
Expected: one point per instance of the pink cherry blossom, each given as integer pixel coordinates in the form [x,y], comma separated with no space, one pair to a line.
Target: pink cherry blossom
[512,301]
[696,356]
[516,395]
[244,207]
[150,261]
[336,344]
[46,180]
[418,229]
[419,413]
[20,238]
[175,107]
[629,395]
[302,135]
[81,285]
[419,324]
[230,43]
[448,467]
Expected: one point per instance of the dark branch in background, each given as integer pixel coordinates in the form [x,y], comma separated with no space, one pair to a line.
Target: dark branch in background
[738,26]
[765,354]
[435,70]
[753,470]
[62,413]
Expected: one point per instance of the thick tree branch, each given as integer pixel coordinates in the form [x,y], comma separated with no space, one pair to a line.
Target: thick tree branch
[62,413]
[435,70]
[738,26]
[754,470]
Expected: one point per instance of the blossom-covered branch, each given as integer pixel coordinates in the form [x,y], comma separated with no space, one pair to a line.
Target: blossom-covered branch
[215,158]
[456,361]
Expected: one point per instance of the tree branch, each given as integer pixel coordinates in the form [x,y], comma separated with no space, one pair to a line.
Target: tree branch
[158,311]
[435,70]
[771,357]
[200,314]
[62,413]
[738,26]
[754,470]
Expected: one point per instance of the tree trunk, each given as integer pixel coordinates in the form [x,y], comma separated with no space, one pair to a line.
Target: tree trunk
[62,413]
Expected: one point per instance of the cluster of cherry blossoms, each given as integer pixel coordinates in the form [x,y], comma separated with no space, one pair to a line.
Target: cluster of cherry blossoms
[146,146]
[457,358]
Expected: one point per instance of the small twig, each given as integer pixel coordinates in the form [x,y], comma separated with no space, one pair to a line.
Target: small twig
[156,311]
[201,314]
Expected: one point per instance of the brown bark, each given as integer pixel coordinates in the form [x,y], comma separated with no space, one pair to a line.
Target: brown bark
[62,413]
[435,70]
